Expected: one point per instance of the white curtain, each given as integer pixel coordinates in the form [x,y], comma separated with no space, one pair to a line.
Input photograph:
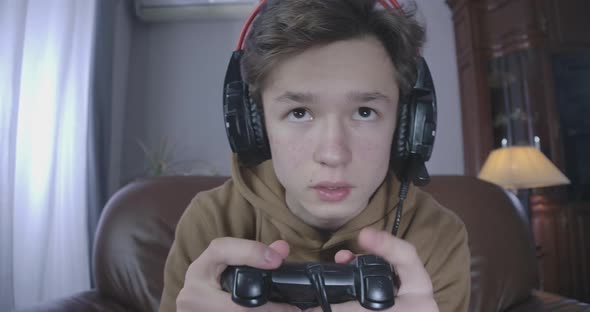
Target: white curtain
[45,57]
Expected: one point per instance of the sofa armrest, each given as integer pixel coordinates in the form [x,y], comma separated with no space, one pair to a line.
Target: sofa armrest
[549,302]
[90,301]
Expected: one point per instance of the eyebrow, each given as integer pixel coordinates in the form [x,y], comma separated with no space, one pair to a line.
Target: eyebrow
[363,97]
[299,97]
[354,96]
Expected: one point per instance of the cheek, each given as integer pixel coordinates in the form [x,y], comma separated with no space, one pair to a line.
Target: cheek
[287,150]
[376,147]
[372,162]
[376,151]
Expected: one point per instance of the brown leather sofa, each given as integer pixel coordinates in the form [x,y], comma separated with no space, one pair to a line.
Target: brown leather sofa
[137,229]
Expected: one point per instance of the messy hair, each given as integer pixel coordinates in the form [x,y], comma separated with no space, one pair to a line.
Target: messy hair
[284,28]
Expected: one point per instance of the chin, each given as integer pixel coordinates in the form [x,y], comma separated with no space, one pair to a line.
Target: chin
[333,215]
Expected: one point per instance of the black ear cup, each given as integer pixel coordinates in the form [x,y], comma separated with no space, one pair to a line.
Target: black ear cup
[258,129]
[401,146]
[422,114]
[400,152]
[244,122]
[416,129]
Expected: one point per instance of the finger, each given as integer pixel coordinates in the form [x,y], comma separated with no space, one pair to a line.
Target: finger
[274,307]
[344,256]
[423,303]
[225,251]
[280,246]
[402,255]
[387,246]
[202,298]
[350,306]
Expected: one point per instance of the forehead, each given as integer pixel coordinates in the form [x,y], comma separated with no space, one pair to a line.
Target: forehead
[360,65]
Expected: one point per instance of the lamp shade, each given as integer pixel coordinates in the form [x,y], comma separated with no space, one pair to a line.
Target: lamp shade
[518,167]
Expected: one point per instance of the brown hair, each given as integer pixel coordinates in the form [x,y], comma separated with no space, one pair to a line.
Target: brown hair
[285,28]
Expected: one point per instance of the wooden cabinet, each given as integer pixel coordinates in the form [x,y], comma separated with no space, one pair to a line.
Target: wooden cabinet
[524,75]
[562,233]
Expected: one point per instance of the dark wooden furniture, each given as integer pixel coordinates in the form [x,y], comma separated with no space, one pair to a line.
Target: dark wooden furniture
[524,70]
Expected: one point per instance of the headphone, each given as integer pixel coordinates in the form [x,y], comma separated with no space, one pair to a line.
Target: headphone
[414,135]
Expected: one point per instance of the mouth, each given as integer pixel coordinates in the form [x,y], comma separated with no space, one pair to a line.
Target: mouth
[332,191]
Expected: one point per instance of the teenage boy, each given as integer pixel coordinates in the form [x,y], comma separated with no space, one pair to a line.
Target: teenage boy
[328,75]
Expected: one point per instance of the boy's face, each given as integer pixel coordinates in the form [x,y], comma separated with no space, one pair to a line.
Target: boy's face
[330,114]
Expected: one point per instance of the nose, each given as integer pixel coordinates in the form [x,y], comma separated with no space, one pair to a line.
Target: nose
[332,147]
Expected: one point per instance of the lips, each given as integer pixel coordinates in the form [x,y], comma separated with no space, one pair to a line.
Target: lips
[332,191]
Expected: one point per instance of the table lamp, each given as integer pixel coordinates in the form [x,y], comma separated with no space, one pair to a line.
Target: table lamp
[521,167]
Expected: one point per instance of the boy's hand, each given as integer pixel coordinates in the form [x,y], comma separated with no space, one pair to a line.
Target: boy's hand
[415,293]
[202,292]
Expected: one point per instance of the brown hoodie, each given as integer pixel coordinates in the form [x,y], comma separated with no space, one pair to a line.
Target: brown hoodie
[252,205]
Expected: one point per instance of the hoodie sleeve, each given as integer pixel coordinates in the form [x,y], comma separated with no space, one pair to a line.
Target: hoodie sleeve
[191,239]
[440,238]
[212,214]
[450,273]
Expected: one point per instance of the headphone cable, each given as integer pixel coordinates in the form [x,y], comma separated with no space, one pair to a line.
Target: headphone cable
[316,275]
[403,193]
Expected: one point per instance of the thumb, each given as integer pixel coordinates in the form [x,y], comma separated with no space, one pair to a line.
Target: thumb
[281,247]
[225,251]
[402,255]
[383,244]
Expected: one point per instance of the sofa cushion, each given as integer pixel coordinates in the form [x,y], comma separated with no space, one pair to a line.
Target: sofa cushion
[87,301]
[503,263]
[135,233]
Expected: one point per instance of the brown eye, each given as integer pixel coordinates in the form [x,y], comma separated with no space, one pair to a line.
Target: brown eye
[365,113]
[299,114]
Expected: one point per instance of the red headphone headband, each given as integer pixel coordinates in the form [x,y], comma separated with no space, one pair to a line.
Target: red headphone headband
[387,4]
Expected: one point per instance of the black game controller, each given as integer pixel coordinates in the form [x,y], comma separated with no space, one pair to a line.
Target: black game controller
[368,279]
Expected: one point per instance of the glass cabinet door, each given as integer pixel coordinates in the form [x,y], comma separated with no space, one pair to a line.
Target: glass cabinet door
[513,80]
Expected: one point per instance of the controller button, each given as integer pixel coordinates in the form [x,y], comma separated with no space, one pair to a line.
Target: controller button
[367,260]
[249,285]
[378,289]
